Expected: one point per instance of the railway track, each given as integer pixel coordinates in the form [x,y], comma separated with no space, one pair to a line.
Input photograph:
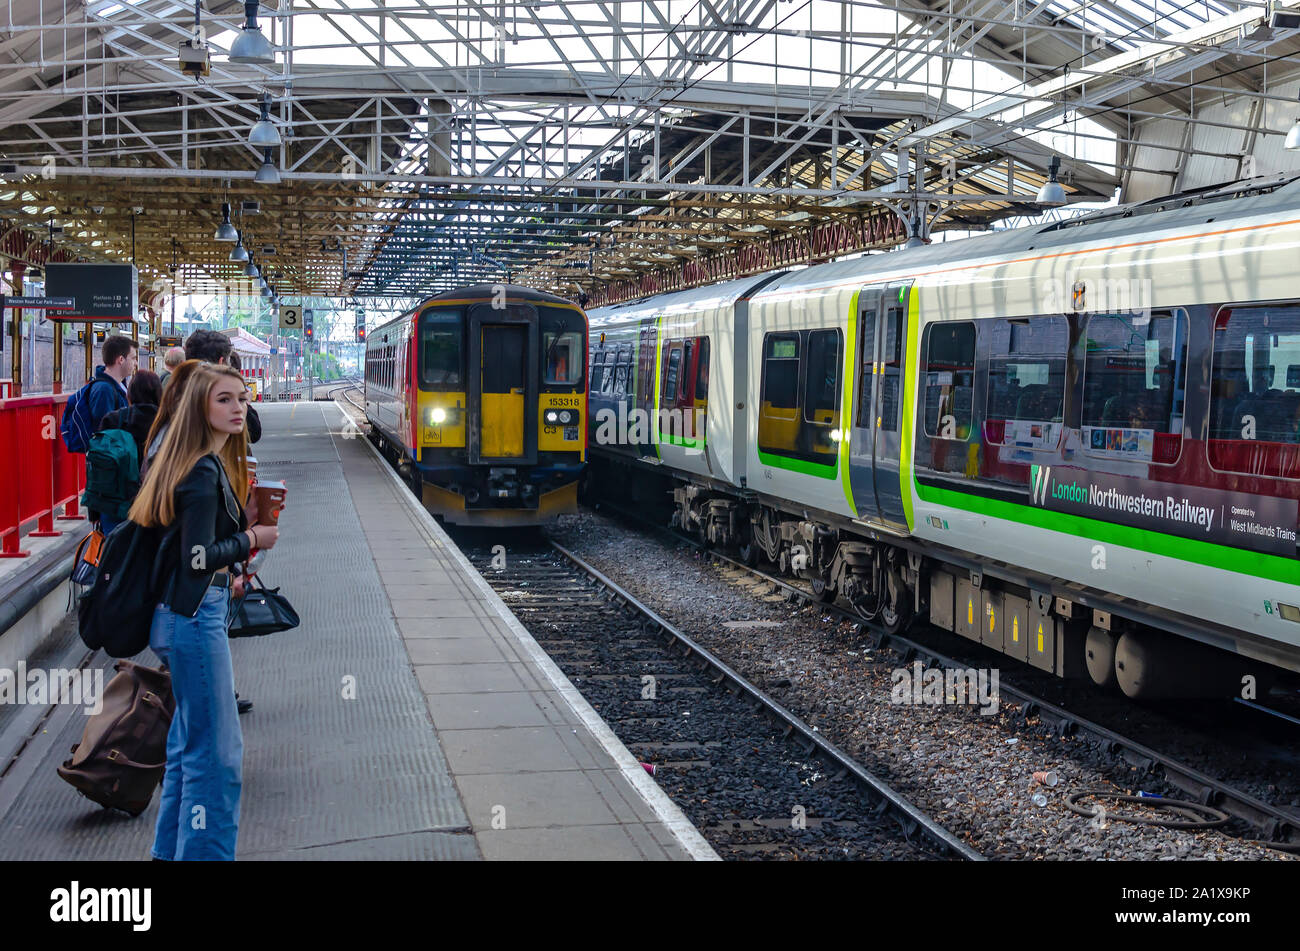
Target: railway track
[1273,825]
[754,778]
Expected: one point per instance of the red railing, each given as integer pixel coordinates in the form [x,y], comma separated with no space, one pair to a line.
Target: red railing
[38,475]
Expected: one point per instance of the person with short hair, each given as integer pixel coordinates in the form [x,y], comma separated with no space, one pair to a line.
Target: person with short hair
[212,346]
[195,490]
[121,357]
[174,358]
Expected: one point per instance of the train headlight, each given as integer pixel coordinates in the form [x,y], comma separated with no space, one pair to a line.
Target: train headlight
[835,435]
[552,417]
[437,416]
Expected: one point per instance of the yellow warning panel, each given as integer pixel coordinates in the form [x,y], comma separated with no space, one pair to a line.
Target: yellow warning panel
[502,433]
[1015,629]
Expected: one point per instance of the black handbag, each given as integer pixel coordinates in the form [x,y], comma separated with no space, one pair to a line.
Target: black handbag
[262,610]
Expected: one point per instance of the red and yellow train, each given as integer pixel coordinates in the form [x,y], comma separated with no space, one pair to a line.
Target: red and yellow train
[478,396]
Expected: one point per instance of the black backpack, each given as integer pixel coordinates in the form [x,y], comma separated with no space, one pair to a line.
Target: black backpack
[116,612]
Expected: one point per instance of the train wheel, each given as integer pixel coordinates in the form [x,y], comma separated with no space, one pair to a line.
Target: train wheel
[824,592]
[894,618]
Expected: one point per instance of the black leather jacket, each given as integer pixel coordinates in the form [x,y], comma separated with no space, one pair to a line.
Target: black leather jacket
[208,534]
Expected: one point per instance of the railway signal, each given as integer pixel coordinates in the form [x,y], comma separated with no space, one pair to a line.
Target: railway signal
[308,328]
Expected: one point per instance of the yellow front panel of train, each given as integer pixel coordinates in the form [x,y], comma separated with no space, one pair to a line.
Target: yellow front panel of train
[559,436]
[441,423]
[502,433]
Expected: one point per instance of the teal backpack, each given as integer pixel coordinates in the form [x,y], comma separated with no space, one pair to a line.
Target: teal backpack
[112,473]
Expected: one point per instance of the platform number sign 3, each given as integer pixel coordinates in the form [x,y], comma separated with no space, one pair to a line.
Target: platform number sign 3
[290,317]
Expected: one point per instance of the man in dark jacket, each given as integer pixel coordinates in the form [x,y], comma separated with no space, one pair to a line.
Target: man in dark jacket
[212,346]
[120,359]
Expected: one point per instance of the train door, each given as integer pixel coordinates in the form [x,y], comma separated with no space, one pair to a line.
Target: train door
[503,348]
[876,445]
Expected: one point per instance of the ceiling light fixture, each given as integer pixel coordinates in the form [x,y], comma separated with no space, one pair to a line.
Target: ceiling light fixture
[251,46]
[225,231]
[264,133]
[237,253]
[1052,195]
[267,174]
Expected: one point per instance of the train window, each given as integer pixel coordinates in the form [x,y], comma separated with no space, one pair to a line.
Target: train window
[562,343]
[891,369]
[621,369]
[1026,396]
[781,371]
[702,372]
[597,370]
[441,361]
[1255,399]
[804,430]
[949,379]
[866,363]
[672,366]
[1134,377]
[821,391]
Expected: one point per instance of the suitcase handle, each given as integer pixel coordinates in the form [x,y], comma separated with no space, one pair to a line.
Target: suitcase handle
[114,756]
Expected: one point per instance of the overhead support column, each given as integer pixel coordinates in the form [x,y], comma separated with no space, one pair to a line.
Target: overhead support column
[438,159]
[57,385]
[16,331]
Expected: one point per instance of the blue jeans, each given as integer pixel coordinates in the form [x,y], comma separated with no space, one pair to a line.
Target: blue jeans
[198,813]
[107,522]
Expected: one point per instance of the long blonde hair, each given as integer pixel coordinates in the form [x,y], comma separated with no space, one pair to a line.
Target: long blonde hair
[189,438]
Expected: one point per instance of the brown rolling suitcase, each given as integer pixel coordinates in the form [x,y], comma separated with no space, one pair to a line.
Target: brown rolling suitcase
[123,751]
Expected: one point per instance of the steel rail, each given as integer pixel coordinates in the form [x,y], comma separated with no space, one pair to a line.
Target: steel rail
[1275,825]
[911,817]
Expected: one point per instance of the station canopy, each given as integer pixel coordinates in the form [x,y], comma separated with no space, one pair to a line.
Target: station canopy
[608,149]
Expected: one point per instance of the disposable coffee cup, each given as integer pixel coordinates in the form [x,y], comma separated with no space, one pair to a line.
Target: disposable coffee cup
[270,499]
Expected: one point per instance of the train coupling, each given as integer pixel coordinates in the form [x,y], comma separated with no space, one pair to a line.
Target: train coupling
[505,484]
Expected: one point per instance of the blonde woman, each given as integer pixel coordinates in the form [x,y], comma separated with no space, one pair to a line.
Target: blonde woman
[196,488]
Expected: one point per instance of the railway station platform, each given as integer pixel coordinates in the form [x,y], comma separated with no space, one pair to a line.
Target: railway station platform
[409,717]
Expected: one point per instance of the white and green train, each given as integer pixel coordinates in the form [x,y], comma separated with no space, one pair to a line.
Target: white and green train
[1078,444]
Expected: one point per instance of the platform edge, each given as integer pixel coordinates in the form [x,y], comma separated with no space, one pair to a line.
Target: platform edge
[667,811]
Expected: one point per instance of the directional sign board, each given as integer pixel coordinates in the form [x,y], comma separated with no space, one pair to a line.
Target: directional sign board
[106,292]
[39,303]
[290,316]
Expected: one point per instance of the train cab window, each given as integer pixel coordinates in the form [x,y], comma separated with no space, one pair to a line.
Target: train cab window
[949,379]
[798,414]
[1255,391]
[440,348]
[562,343]
[1134,377]
[1027,373]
